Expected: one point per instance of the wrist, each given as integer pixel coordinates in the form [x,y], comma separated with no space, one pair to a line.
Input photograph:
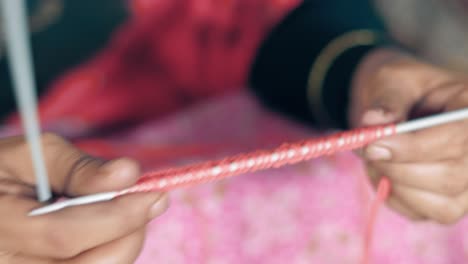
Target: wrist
[374,60]
[332,75]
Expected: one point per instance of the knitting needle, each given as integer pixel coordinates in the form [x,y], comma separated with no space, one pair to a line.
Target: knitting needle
[19,55]
[406,127]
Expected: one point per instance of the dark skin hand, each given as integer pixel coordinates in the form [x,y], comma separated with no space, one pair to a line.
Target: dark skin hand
[427,168]
[109,232]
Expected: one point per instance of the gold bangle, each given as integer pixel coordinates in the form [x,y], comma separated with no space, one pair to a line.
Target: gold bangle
[323,64]
[45,14]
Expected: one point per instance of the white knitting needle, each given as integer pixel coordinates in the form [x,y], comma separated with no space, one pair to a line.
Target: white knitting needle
[406,127]
[19,55]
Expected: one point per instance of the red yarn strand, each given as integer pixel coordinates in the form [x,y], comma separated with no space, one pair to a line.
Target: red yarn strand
[286,154]
[383,191]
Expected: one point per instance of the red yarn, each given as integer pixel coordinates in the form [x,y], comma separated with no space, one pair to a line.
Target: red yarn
[259,160]
[286,154]
[383,191]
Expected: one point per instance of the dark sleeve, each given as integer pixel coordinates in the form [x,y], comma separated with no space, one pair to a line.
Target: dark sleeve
[81,29]
[279,76]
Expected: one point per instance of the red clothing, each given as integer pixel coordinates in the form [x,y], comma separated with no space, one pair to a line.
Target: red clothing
[169,54]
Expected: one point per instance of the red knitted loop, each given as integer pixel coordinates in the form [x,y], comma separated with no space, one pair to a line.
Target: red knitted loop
[259,160]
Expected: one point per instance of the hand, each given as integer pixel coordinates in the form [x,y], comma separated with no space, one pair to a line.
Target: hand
[110,232]
[428,168]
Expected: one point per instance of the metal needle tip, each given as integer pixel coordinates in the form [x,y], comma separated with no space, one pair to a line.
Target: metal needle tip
[89,199]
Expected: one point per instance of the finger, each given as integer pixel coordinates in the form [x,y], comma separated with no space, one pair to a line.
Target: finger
[439,99]
[438,143]
[398,206]
[16,187]
[460,100]
[462,200]
[69,232]
[389,102]
[386,87]
[123,251]
[71,172]
[432,144]
[373,174]
[62,160]
[435,207]
[445,178]
[393,202]
[90,177]
[22,259]
[383,107]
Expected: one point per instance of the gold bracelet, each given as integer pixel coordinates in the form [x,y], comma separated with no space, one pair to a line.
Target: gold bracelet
[323,64]
[45,14]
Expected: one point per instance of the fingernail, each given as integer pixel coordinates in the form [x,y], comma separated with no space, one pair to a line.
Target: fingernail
[158,207]
[378,153]
[375,117]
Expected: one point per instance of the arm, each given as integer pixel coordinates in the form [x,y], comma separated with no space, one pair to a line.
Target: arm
[427,168]
[305,67]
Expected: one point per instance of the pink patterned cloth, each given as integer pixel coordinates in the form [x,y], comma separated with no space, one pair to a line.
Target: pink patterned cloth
[311,213]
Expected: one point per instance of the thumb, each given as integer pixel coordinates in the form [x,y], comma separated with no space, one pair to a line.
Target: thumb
[386,107]
[92,177]
[389,106]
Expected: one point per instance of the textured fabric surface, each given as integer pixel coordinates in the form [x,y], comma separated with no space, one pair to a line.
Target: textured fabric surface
[311,213]
[314,212]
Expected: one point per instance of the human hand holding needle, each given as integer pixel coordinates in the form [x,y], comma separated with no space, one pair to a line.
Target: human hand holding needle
[110,232]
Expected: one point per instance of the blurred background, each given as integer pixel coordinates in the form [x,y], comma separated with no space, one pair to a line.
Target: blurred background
[63,35]
[170,82]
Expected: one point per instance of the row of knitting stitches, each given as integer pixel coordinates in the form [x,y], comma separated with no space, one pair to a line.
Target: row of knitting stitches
[286,154]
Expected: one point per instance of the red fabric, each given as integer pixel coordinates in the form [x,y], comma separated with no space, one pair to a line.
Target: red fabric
[169,54]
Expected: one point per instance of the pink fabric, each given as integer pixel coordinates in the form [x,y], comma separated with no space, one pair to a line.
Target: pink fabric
[311,213]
